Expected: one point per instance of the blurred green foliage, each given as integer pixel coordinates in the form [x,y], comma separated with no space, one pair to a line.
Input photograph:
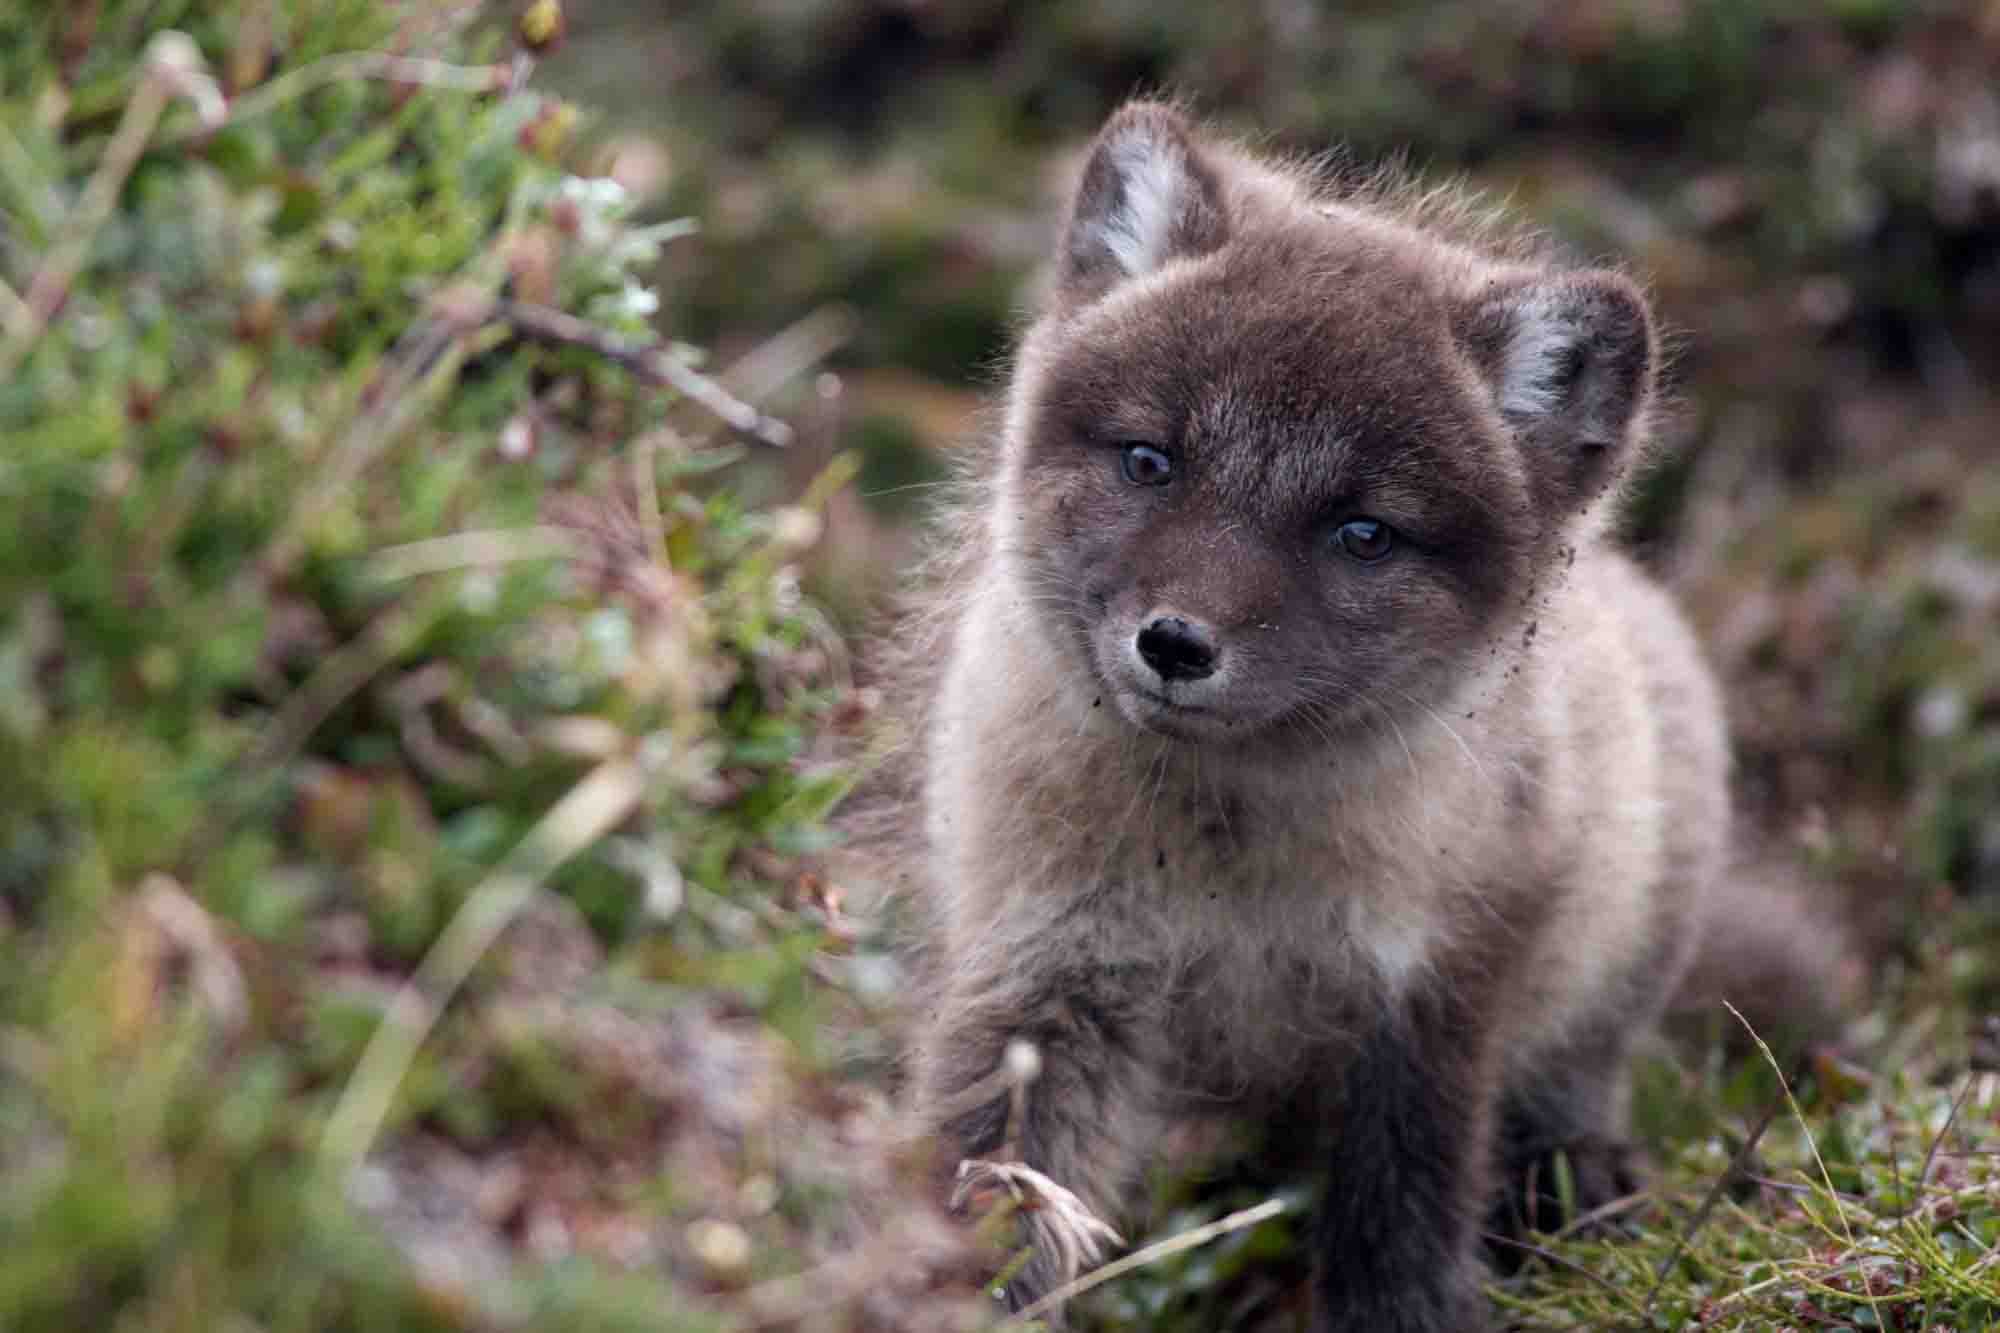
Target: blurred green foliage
[338,612]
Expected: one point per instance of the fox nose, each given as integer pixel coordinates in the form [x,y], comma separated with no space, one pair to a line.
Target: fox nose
[1177,649]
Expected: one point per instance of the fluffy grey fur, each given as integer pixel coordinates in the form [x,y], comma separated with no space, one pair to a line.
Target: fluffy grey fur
[1398,852]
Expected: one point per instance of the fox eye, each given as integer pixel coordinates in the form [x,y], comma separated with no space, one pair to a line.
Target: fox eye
[1146,466]
[1366,539]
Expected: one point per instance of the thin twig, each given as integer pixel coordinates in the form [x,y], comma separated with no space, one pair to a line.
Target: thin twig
[1951,1117]
[1602,1213]
[345,68]
[1710,1199]
[1909,1197]
[653,362]
[591,809]
[173,68]
[411,698]
[1556,1260]
[646,492]
[1742,1295]
[1172,1245]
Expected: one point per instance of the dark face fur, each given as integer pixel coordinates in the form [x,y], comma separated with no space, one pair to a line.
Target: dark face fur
[1298,484]
[1280,451]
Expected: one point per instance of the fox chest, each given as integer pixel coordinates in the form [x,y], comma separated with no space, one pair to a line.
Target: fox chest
[1292,908]
[1259,969]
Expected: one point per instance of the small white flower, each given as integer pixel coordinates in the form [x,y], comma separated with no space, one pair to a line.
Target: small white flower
[479,592]
[639,302]
[266,277]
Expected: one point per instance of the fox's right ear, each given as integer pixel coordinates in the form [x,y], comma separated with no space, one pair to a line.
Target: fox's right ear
[1146,197]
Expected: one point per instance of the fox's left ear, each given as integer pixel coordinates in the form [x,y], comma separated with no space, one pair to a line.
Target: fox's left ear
[1147,196]
[1570,360]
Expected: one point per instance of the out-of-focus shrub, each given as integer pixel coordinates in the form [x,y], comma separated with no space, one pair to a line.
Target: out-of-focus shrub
[366,592]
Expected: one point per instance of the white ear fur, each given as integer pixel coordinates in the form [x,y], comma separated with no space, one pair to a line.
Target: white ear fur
[1145,198]
[1570,360]
[1540,357]
[1154,185]
[1575,349]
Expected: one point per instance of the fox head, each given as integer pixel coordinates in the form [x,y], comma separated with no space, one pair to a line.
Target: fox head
[1278,463]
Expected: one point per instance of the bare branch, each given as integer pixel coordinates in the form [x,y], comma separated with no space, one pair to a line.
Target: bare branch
[1708,1202]
[653,362]
[1554,1260]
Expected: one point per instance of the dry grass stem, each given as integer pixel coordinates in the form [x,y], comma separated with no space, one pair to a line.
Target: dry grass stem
[348,67]
[646,491]
[1172,1245]
[792,351]
[1555,1260]
[470,550]
[592,808]
[173,68]
[1826,1178]
[1710,1199]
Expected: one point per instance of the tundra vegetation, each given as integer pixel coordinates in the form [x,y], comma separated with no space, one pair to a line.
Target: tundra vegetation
[418,721]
